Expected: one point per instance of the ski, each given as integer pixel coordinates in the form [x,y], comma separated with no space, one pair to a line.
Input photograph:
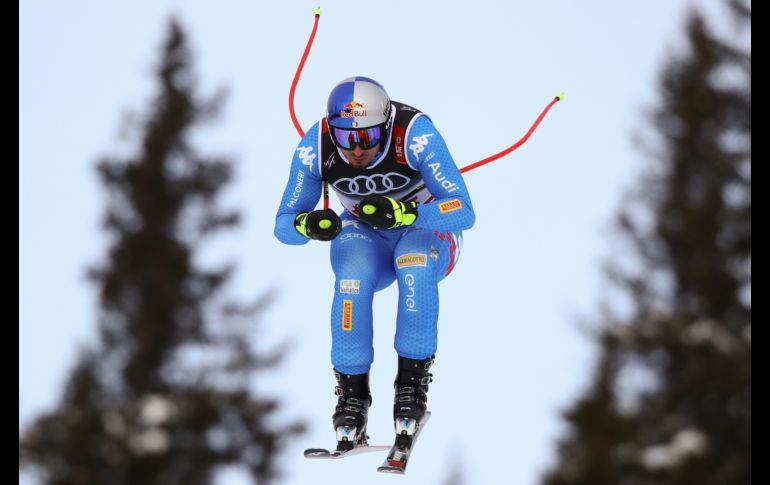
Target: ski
[322,453]
[399,454]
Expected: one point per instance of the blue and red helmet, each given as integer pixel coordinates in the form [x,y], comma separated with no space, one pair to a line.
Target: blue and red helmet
[358,113]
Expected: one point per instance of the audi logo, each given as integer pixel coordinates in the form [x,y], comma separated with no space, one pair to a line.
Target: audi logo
[372,184]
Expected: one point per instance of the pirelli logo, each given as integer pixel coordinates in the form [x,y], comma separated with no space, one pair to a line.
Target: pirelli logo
[412,259]
[450,206]
[347,315]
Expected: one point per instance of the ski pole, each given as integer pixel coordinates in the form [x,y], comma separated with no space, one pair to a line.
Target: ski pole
[501,153]
[317,14]
[516,145]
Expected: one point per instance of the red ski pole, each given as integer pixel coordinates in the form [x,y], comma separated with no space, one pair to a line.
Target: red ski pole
[502,153]
[317,13]
[516,145]
[464,169]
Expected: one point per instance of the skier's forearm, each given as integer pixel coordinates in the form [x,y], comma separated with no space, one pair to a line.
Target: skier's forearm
[427,152]
[303,189]
[286,232]
[447,214]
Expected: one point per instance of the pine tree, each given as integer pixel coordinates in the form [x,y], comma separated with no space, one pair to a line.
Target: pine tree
[455,474]
[165,396]
[689,329]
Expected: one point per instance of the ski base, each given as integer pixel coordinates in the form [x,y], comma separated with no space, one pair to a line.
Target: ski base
[399,454]
[322,453]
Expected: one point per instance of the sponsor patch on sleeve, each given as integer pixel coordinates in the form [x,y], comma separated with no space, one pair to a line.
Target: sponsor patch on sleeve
[347,315]
[412,259]
[350,286]
[450,206]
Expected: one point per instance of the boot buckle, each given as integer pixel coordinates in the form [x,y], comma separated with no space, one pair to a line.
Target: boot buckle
[405,426]
[347,433]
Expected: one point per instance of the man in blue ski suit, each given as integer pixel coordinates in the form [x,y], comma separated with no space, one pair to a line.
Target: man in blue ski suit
[405,207]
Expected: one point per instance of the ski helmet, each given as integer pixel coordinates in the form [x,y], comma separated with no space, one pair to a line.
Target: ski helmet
[358,113]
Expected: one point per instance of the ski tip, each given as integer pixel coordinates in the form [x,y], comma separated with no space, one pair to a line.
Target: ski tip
[319,453]
[391,469]
[316,453]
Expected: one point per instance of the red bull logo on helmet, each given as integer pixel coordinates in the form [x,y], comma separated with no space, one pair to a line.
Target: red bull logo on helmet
[352,109]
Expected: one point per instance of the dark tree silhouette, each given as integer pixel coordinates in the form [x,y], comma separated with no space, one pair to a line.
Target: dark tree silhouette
[166,396]
[688,332]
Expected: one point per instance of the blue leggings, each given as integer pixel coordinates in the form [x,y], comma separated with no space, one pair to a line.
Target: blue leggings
[366,261]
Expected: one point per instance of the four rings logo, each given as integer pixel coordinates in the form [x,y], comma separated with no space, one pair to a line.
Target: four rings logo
[372,184]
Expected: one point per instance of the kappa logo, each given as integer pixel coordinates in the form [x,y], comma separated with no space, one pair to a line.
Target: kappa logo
[307,156]
[372,184]
[420,142]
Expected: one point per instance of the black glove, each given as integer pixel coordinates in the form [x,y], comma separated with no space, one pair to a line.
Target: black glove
[321,225]
[386,213]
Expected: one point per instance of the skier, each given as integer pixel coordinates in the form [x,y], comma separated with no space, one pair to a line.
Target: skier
[405,206]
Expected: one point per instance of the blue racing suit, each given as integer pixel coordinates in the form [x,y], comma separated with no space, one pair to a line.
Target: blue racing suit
[366,260]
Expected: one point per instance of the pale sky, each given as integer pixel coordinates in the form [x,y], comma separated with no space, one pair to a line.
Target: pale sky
[510,355]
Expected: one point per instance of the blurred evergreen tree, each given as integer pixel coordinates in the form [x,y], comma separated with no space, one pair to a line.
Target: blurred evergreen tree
[455,475]
[166,398]
[671,401]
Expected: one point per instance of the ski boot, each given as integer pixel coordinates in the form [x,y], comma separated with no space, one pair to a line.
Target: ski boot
[411,401]
[351,414]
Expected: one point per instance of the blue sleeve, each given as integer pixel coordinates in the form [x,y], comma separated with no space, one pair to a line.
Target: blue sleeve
[302,190]
[426,151]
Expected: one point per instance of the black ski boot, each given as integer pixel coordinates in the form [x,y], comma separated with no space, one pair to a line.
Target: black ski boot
[411,400]
[350,415]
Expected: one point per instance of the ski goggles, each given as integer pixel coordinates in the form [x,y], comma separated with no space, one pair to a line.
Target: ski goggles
[365,137]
